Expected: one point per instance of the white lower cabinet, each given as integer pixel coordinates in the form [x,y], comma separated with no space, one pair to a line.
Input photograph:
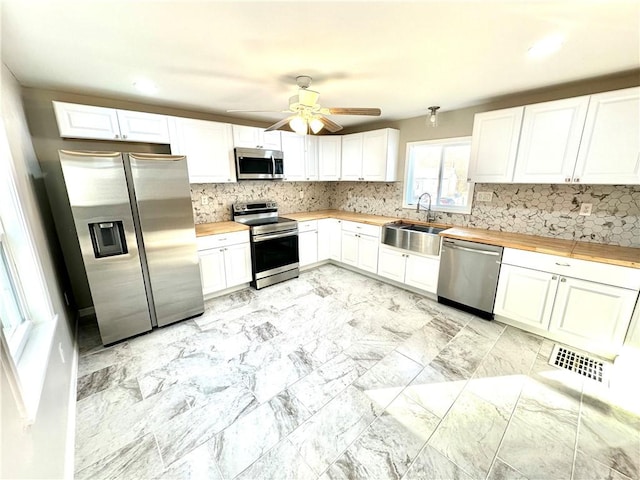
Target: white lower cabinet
[329,239]
[307,242]
[225,261]
[566,298]
[415,270]
[360,243]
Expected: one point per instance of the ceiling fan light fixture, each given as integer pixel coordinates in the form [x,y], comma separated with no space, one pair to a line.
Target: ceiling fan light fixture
[432,119]
[316,124]
[298,125]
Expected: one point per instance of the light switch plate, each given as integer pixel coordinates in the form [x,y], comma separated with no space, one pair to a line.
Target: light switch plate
[301,194]
[585,209]
[204,200]
[484,196]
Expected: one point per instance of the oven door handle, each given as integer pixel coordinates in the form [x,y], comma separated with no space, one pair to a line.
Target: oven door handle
[264,238]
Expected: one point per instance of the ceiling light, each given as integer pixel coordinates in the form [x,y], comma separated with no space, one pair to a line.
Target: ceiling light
[546,46]
[298,125]
[145,86]
[316,125]
[432,119]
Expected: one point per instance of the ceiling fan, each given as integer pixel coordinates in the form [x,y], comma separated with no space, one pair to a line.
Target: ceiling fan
[307,114]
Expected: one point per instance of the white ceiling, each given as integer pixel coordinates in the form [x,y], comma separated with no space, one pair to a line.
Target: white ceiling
[399,56]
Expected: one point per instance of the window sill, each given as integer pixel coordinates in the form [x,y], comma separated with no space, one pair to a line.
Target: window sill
[31,368]
[461,210]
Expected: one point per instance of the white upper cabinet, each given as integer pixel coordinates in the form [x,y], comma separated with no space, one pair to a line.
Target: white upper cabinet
[208,147]
[86,121]
[610,148]
[494,145]
[300,157]
[370,156]
[329,157]
[549,141]
[255,137]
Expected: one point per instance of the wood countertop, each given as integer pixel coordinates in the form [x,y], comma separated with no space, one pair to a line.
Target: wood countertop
[595,252]
[377,220]
[204,229]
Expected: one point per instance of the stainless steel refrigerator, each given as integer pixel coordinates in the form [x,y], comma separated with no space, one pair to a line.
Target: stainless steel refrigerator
[134,222]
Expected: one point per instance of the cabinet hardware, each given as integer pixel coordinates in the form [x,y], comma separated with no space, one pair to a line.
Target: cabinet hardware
[577,180]
[563,264]
[117,136]
[563,279]
[124,136]
[567,179]
[554,277]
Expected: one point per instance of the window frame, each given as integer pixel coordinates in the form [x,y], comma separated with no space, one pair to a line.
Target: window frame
[444,142]
[16,338]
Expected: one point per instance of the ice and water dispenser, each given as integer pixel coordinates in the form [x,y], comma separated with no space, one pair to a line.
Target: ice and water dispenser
[108,238]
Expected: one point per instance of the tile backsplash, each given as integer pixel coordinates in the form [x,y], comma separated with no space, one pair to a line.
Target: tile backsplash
[221,196]
[546,210]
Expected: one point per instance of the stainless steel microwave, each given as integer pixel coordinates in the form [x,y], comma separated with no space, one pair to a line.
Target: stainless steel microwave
[259,164]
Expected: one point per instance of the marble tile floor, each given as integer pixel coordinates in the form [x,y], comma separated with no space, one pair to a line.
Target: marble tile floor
[335,375]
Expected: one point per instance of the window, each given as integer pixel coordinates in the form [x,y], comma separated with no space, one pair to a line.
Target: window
[439,167]
[12,306]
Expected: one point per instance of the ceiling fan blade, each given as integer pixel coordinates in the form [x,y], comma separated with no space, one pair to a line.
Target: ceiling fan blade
[354,111]
[279,124]
[330,125]
[257,111]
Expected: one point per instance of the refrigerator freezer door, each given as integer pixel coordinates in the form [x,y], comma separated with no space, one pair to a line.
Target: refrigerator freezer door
[98,194]
[163,200]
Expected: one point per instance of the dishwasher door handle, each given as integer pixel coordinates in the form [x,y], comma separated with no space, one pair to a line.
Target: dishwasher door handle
[472,250]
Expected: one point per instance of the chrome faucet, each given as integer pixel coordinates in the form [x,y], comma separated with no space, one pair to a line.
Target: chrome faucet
[429,217]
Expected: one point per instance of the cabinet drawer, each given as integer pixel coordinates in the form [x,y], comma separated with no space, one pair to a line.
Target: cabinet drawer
[308,226]
[361,228]
[625,277]
[222,240]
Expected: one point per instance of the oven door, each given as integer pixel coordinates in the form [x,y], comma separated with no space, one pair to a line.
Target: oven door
[274,253]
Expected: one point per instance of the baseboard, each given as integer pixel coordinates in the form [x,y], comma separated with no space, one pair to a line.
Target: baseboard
[86,312]
[70,442]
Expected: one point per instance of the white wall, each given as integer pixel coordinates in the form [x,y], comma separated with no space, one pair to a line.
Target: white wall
[40,450]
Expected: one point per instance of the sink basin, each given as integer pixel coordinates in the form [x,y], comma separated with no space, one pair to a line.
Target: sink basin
[422,228]
[412,236]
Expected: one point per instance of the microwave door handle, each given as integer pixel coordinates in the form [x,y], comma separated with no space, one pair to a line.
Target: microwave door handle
[273,165]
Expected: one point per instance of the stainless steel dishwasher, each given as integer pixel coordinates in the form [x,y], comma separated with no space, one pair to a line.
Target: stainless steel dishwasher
[469,275]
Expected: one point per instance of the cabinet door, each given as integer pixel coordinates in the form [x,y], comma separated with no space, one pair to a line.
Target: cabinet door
[308,247]
[391,264]
[329,155]
[85,121]
[494,145]
[368,253]
[349,250]
[549,141]
[271,140]
[422,272]
[294,160]
[374,155]
[329,239]
[237,260]
[246,137]
[610,147]
[143,127]
[351,168]
[212,270]
[592,313]
[208,148]
[526,295]
[311,157]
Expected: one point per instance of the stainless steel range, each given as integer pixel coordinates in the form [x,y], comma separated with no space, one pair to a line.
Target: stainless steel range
[274,242]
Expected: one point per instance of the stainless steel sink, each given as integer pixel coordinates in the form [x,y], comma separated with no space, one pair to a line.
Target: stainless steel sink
[411,236]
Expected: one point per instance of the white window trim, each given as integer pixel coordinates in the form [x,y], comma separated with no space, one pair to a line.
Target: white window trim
[436,208]
[26,371]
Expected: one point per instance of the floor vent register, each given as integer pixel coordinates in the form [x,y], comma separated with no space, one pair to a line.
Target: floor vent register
[589,367]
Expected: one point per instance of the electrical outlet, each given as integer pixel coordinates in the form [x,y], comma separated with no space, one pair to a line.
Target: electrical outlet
[204,200]
[585,209]
[301,194]
[484,196]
